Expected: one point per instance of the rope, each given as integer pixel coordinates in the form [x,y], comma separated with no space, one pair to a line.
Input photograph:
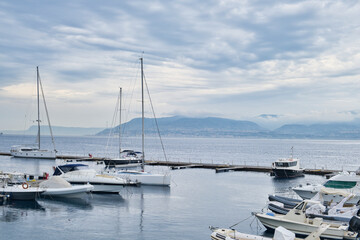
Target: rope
[240,222]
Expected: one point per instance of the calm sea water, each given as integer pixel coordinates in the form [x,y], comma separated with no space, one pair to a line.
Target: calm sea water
[196,199]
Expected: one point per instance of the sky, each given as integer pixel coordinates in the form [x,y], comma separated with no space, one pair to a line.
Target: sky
[271,62]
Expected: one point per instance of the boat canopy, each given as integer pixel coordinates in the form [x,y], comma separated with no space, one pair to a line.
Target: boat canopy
[340,184]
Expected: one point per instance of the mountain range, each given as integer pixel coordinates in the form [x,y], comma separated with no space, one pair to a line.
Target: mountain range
[220,127]
[211,127]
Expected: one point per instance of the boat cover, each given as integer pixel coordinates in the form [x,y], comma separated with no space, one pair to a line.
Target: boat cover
[55,182]
[316,209]
[282,233]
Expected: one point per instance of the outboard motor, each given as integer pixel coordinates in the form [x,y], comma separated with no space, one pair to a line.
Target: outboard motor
[354,224]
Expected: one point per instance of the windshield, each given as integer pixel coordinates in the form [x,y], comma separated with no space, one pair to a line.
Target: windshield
[69,168]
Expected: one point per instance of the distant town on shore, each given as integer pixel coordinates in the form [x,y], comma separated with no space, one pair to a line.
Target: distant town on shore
[210,127]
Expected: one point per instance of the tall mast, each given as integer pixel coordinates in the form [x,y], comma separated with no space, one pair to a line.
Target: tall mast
[38,105]
[120,96]
[142,116]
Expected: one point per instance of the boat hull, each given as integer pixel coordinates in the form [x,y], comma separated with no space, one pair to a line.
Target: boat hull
[308,192]
[35,154]
[146,178]
[102,187]
[79,191]
[16,193]
[287,173]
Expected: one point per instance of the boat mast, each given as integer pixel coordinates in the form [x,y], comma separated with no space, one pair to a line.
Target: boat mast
[142,116]
[120,96]
[292,152]
[38,106]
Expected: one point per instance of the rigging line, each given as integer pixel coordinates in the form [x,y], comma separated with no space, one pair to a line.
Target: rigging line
[112,126]
[128,109]
[47,114]
[157,126]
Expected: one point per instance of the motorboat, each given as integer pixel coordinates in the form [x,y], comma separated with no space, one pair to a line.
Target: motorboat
[336,188]
[336,212]
[144,178]
[287,167]
[297,221]
[35,151]
[18,191]
[57,187]
[80,174]
[281,233]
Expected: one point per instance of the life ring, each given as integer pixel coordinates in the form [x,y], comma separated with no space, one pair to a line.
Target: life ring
[25,185]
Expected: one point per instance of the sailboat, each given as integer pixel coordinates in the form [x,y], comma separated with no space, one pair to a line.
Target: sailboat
[31,151]
[144,178]
[127,158]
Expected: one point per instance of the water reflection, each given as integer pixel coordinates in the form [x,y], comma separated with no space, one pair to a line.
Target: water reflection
[12,211]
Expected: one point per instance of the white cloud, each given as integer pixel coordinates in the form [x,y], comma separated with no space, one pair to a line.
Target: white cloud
[297,60]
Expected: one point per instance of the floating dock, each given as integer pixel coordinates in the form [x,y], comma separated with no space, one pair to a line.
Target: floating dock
[219,168]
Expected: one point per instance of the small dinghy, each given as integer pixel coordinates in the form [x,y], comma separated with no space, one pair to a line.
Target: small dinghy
[57,187]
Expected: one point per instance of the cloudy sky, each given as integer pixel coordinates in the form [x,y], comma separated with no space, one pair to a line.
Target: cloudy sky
[272,62]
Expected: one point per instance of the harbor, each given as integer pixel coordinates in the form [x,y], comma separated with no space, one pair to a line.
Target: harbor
[234,193]
[219,168]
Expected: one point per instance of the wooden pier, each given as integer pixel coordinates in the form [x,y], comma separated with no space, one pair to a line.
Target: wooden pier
[219,168]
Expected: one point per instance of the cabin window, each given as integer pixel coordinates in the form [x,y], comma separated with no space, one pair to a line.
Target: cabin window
[282,164]
[339,184]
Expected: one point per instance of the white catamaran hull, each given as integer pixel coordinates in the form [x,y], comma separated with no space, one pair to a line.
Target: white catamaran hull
[145,178]
[34,154]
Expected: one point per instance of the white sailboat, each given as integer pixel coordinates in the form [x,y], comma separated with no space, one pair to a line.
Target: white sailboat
[127,158]
[31,151]
[145,178]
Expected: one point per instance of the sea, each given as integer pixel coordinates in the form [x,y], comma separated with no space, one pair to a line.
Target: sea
[196,199]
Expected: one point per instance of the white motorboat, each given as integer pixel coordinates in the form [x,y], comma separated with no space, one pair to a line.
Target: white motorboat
[297,221]
[281,233]
[18,191]
[31,151]
[145,178]
[79,174]
[287,167]
[57,187]
[336,212]
[336,188]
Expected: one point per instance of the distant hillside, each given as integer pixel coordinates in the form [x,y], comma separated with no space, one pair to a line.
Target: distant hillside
[184,126]
[57,131]
[348,130]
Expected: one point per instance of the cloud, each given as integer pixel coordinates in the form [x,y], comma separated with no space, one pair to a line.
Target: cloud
[291,59]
